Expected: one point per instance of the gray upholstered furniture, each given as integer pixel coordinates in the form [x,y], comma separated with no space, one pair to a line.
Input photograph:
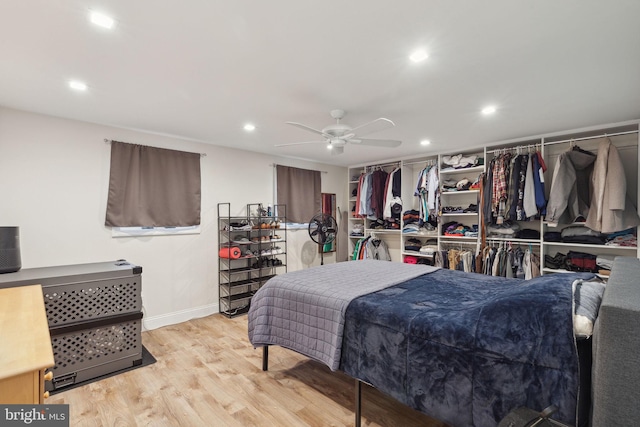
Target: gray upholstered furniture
[616,349]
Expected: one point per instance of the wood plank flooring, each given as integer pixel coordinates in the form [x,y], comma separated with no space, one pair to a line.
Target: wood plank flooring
[208,374]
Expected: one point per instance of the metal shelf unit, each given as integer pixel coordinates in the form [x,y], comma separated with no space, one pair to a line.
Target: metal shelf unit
[262,242]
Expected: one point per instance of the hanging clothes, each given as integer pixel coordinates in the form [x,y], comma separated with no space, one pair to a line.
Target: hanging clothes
[500,185]
[569,195]
[531,265]
[377,249]
[391,191]
[610,210]
[539,168]
[428,193]
[364,195]
[512,188]
[529,200]
[377,197]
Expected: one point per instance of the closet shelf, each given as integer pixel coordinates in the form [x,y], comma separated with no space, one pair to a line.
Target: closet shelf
[514,240]
[462,170]
[563,271]
[433,234]
[418,254]
[586,245]
[454,238]
[459,192]
[460,214]
[381,231]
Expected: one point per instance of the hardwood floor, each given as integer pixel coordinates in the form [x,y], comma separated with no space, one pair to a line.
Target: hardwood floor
[208,374]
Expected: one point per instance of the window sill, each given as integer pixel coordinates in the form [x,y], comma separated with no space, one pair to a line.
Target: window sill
[153,231]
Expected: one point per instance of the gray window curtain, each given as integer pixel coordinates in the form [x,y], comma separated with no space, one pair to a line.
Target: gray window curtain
[153,187]
[300,190]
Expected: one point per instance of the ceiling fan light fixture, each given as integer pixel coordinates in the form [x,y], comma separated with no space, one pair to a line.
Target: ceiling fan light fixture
[338,135]
[419,55]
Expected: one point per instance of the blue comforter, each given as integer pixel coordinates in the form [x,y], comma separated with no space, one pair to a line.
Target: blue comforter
[467,348]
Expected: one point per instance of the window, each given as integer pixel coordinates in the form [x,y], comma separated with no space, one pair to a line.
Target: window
[300,190]
[153,188]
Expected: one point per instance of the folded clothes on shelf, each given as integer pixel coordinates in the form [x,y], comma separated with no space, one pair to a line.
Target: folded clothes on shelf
[506,229]
[460,161]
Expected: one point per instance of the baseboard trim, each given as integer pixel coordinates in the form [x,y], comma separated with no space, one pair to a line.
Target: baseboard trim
[154,322]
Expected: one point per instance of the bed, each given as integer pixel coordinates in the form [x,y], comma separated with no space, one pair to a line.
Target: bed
[461,347]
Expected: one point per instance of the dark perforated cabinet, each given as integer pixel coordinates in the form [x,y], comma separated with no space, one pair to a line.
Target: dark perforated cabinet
[94,313]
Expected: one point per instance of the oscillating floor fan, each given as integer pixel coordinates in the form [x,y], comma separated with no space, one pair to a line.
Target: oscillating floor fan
[323,229]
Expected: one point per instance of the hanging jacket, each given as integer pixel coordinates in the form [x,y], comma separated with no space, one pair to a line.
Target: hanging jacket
[570,187]
[529,200]
[377,249]
[611,210]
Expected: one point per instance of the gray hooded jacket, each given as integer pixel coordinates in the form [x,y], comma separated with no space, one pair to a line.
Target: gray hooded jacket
[569,197]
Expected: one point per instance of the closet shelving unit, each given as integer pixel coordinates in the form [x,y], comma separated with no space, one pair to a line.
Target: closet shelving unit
[623,135]
[627,140]
[262,240]
[366,224]
[519,147]
[355,222]
[462,199]
[411,170]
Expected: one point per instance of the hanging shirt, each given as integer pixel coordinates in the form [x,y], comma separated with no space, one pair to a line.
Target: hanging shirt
[529,201]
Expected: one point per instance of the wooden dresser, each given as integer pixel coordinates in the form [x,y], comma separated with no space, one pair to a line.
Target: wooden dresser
[25,345]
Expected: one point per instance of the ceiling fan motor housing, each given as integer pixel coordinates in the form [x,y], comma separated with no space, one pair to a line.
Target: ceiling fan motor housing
[336,130]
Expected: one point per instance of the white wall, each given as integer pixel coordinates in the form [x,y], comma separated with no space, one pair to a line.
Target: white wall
[53,185]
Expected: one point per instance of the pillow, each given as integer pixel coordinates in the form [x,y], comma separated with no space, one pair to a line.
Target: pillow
[587,296]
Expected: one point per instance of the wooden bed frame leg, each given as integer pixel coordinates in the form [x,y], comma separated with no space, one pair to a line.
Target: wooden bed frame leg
[265,358]
[358,402]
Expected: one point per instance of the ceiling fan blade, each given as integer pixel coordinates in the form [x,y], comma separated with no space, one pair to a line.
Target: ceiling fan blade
[300,143]
[373,126]
[377,142]
[335,150]
[305,127]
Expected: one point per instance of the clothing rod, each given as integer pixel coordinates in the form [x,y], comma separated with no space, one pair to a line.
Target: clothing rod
[432,161]
[586,138]
[274,165]
[109,141]
[383,164]
[497,150]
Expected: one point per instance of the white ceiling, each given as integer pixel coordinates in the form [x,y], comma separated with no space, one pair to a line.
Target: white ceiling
[201,69]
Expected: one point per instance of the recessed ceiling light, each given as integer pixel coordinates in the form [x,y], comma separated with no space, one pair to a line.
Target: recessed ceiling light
[489,110]
[425,142]
[419,55]
[74,84]
[249,127]
[102,20]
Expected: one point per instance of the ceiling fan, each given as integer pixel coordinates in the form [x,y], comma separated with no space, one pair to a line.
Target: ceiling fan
[336,136]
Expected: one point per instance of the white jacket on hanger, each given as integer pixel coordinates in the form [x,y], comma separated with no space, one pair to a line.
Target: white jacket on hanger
[610,209]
